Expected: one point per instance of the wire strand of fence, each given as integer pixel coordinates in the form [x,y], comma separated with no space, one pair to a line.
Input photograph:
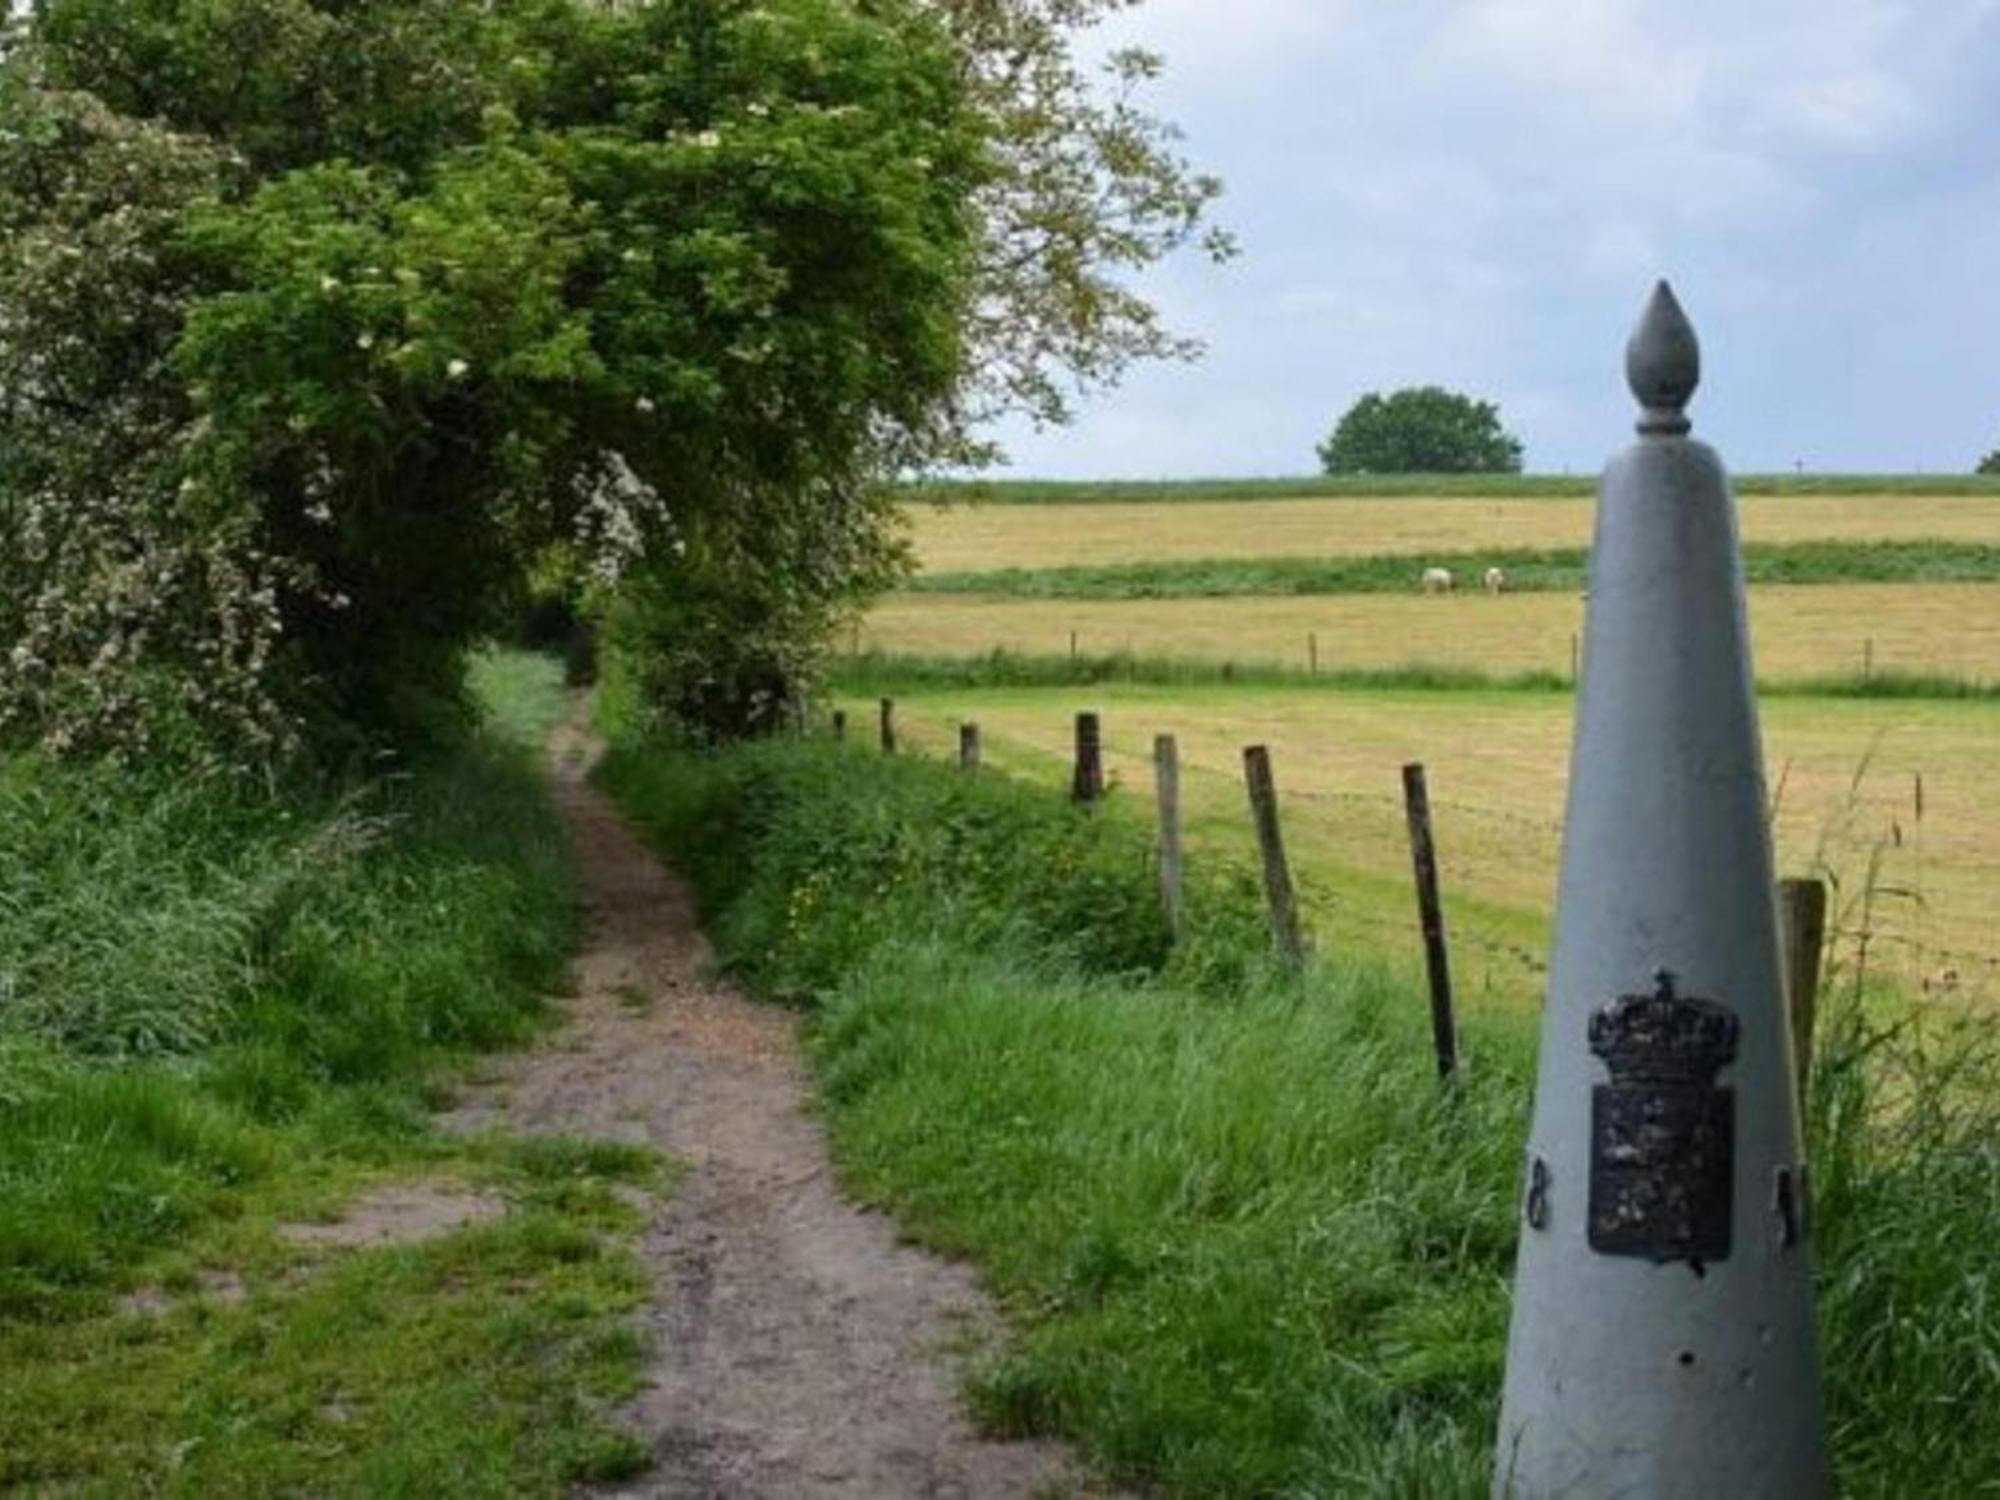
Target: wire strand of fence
[1926,959]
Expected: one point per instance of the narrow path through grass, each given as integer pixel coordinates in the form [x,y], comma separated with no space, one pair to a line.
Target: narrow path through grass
[225,1017]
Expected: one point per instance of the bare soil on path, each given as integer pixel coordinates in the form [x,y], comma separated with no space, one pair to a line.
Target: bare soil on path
[798,1349]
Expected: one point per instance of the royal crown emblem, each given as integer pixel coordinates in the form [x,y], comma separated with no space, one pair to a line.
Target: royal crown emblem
[1663,1136]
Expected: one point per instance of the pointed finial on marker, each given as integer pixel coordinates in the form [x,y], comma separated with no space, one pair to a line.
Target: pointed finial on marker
[1663,365]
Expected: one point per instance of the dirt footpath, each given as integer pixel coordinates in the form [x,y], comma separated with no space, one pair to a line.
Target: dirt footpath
[799,1350]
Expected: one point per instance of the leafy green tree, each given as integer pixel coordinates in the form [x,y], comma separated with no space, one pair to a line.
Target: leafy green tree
[1421,430]
[324,324]
[1990,464]
[542,273]
[1085,186]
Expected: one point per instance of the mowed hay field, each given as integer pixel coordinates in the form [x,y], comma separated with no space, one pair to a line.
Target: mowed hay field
[1843,772]
[973,536]
[1799,632]
[1919,882]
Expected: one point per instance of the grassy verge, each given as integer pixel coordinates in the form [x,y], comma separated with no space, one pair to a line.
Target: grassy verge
[1246,1247]
[887,672]
[228,1008]
[1528,571]
[1363,486]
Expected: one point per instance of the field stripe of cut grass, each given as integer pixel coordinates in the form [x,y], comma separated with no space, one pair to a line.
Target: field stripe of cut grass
[1799,632]
[980,538]
[1525,570]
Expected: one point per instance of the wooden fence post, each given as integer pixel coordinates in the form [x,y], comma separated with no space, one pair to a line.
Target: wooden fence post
[1167,783]
[1312,653]
[888,726]
[968,747]
[1087,786]
[1430,915]
[1802,931]
[1271,845]
[840,723]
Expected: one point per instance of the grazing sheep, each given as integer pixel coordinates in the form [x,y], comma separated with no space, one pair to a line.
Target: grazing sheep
[1496,581]
[1437,580]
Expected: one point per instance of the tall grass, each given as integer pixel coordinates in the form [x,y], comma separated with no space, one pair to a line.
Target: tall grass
[190,971]
[225,1006]
[1246,1245]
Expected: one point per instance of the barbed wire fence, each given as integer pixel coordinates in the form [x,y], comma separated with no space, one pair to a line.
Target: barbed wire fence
[1870,853]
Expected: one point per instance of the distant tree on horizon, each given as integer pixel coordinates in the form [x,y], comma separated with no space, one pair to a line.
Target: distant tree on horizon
[1989,464]
[1421,430]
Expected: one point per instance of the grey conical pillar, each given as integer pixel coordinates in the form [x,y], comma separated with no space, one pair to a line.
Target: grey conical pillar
[1663,1339]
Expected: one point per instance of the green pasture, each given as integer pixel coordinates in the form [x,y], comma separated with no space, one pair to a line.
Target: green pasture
[1525,571]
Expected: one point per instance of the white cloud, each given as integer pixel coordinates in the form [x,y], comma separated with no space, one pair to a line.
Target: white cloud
[1479,192]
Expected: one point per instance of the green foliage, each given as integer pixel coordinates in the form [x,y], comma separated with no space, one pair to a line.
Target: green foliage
[521,693]
[1528,571]
[1247,1246]
[1085,188]
[157,917]
[488,1354]
[201,982]
[122,619]
[1420,430]
[1905,1152]
[1989,464]
[326,323]
[675,282]
[224,1007]
[805,858]
[718,643]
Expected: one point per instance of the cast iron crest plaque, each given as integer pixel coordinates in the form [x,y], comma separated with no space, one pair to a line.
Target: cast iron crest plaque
[1662,1135]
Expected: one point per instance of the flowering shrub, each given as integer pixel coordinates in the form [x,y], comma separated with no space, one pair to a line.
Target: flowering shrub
[324,325]
[304,367]
[123,621]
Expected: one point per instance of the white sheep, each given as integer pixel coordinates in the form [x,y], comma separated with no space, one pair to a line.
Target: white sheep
[1496,581]
[1437,580]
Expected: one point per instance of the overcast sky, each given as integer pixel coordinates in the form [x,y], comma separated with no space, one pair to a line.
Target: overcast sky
[1479,194]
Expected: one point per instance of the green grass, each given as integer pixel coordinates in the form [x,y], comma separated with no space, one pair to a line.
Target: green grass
[885,673]
[1527,570]
[224,1006]
[482,1359]
[1250,1250]
[521,694]
[1245,1246]
[1474,486]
